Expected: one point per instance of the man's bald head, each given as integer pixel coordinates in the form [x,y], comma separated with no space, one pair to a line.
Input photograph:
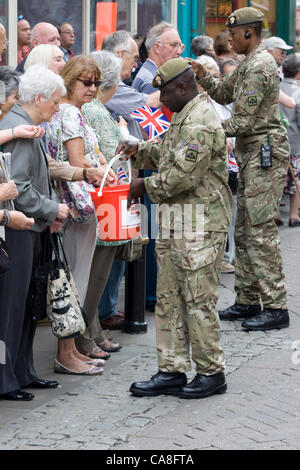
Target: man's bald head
[45,33]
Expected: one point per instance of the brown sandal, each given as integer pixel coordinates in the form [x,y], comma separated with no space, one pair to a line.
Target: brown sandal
[97,353]
[109,346]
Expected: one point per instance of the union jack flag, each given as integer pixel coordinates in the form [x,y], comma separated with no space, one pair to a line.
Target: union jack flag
[152,120]
[121,174]
[232,164]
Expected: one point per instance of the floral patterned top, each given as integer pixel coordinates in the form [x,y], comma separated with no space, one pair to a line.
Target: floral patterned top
[108,136]
[105,127]
[68,124]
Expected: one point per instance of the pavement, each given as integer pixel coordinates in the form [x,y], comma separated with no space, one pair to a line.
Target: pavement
[259,411]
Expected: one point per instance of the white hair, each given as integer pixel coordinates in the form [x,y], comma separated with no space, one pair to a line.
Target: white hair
[156,32]
[42,55]
[110,66]
[118,41]
[38,80]
[208,62]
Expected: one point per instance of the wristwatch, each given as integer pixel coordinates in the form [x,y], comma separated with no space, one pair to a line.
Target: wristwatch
[5,218]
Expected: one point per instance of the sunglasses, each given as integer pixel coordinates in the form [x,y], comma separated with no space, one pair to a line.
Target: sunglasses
[89,83]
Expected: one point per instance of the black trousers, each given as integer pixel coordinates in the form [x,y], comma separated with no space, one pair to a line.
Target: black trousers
[17,328]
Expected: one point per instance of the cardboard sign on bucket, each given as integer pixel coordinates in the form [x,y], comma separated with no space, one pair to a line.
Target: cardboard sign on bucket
[115,221]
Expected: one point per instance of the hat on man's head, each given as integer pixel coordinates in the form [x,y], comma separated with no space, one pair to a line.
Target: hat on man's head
[170,70]
[244,16]
[274,42]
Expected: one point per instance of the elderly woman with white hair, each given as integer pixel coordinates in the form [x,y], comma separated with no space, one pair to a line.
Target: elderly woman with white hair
[40,92]
[48,55]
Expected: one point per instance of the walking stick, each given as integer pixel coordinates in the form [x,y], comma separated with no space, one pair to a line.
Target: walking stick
[294,179]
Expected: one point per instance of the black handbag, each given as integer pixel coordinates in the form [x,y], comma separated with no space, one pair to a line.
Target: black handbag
[5,260]
[37,295]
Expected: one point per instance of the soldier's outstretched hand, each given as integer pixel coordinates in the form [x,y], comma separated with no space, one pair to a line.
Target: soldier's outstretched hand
[198,68]
[127,148]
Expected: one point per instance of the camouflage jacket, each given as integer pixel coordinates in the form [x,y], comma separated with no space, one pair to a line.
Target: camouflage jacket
[192,169]
[254,90]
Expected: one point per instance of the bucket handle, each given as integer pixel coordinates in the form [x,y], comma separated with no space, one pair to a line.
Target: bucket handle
[112,161]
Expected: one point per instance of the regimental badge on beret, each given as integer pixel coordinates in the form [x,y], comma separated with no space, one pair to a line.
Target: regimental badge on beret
[232,20]
[157,81]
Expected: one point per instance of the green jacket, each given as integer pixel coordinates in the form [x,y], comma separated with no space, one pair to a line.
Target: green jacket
[254,90]
[192,170]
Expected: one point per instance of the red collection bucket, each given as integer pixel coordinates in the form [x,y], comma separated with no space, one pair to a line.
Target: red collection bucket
[115,221]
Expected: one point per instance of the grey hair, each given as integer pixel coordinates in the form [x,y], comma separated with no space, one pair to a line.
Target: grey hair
[117,41]
[38,80]
[291,66]
[110,67]
[155,32]
[9,82]
[200,44]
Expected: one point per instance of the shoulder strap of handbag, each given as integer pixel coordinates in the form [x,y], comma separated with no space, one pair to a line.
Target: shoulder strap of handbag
[60,144]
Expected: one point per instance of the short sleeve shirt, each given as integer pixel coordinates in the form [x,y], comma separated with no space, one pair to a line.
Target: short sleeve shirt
[69,123]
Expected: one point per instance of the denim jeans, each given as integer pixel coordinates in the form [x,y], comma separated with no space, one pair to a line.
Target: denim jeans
[108,305]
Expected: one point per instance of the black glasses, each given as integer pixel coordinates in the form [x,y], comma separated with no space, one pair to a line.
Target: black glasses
[89,83]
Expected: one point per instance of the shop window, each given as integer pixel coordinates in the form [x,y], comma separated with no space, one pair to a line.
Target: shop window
[151,13]
[268,8]
[107,17]
[217,13]
[55,12]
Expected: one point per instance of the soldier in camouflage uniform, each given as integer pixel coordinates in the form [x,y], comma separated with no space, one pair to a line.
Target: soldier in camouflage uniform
[192,175]
[255,122]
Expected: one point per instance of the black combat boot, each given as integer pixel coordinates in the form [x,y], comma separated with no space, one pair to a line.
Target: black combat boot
[268,319]
[161,383]
[239,312]
[203,386]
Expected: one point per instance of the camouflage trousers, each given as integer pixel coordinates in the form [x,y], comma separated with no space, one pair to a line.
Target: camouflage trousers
[185,314]
[258,263]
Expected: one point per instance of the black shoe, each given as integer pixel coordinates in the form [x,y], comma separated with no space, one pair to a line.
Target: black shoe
[42,383]
[268,319]
[239,312]
[294,223]
[17,395]
[161,383]
[203,386]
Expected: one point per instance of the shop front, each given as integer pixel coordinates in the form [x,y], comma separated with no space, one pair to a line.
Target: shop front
[93,19]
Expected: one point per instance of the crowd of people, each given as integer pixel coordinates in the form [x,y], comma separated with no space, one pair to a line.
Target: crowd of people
[63,117]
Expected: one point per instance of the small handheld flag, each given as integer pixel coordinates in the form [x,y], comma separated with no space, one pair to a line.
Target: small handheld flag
[121,174]
[232,164]
[152,120]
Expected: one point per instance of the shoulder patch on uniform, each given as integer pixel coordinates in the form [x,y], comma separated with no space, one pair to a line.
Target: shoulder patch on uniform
[191,155]
[183,144]
[252,100]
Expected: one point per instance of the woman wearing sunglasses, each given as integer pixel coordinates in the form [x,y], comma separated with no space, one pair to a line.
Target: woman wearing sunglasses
[71,132]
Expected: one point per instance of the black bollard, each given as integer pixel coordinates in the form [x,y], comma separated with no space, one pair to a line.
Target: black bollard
[135,296]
